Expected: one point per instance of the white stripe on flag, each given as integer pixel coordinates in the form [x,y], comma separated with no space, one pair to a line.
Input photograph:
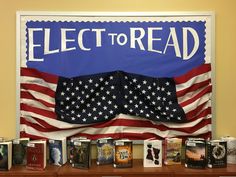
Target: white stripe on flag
[111,130]
[192,106]
[194,80]
[36,104]
[38,81]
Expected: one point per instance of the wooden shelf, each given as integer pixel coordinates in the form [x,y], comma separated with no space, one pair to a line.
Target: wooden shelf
[109,171]
[181,171]
[139,171]
[21,171]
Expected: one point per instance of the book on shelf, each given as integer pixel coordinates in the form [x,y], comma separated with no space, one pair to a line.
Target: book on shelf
[81,153]
[105,151]
[216,153]
[123,153]
[5,155]
[36,155]
[195,153]
[231,149]
[19,146]
[152,151]
[57,151]
[70,146]
[172,151]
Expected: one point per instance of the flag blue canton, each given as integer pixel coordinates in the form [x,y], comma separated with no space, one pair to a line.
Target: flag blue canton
[100,97]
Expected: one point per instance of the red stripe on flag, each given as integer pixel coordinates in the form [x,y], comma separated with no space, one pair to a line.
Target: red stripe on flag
[32,137]
[199,95]
[203,113]
[122,122]
[27,95]
[37,74]
[192,114]
[41,126]
[38,88]
[135,123]
[194,72]
[132,136]
[46,113]
[193,88]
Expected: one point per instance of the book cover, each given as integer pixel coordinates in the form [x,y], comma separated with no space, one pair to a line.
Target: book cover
[70,147]
[5,155]
[172,151]
[152,153]
[231,149]
[57,151]
[81,153]
[105,151]
[19,151]
[36,155]
[123,151]
[217,153]
[195,154]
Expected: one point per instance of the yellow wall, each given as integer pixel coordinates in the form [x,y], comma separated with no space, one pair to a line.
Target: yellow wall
[224,51]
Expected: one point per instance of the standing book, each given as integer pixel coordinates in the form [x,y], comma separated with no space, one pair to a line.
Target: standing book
[217,153]
[36,155]
[81,153]
[105,151]
[231,149]
[57,151]
[172,151]
[123,151]
[195,153]
[70,147]
[152,153]
[5,155]
[19,151]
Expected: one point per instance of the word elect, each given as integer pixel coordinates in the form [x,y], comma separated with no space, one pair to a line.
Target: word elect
[148,39]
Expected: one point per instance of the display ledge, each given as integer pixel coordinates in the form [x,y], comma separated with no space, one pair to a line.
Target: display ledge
[109,171]
[139,171]
[21,171]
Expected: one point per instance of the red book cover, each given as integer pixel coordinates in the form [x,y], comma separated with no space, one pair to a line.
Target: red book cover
[36,156]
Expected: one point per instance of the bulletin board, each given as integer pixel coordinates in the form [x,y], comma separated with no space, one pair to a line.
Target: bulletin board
[120,75]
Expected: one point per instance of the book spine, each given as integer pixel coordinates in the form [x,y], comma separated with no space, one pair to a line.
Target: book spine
[208,152]
[165,152]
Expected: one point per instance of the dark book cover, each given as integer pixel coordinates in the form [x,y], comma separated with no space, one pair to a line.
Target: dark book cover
[36,155]
[123,154]
[5,155]
[70,150]
[217,153]
[195,154]
[70,147]
[81,154]
[19,151]
[105,151]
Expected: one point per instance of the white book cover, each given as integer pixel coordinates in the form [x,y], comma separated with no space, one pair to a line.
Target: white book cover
[152,153]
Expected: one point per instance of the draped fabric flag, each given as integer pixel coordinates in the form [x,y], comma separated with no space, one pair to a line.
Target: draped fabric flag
[38,117]
[115,99]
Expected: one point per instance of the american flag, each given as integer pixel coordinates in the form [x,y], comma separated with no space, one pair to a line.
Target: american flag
[115,104]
